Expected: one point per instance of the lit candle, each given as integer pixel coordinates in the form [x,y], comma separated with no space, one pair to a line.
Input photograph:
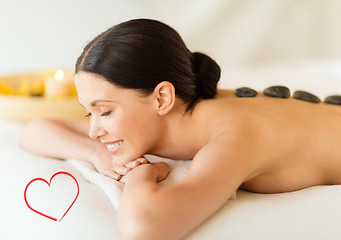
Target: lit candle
[58,86]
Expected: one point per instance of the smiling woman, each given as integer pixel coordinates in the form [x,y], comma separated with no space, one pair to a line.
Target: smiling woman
[120,117]
[139,53]
[146,93]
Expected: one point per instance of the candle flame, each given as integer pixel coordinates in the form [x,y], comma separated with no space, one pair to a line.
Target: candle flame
[59,75]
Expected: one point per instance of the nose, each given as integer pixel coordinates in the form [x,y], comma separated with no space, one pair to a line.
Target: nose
[96,131]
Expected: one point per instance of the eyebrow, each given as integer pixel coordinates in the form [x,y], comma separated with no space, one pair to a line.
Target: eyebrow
[97,101]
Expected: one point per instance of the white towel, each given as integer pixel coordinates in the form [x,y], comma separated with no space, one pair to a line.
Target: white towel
[113,189]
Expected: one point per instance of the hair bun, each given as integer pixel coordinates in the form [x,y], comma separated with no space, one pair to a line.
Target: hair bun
[207,73]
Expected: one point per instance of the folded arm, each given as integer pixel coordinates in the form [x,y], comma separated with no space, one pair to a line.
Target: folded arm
[57,138]
[148,211]
[65,139]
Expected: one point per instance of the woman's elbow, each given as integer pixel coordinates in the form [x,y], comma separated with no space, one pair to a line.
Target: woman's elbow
[139,235]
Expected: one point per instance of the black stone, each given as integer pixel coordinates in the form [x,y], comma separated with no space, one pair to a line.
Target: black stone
[245,92]
[277,91]
[333,99]
[305,96]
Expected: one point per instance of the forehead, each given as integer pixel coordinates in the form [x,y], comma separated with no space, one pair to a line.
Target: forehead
[92,87]
[89,81]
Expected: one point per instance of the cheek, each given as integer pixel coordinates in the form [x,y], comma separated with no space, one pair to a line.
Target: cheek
[123,124]
[115,126]
[133,123]
[139,124]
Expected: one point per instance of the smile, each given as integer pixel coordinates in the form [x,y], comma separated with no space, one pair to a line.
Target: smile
[113,147]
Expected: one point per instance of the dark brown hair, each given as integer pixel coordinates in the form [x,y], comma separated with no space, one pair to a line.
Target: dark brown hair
[141,53]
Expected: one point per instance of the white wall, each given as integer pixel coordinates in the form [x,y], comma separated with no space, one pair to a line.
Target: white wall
[42,34]
[37,35]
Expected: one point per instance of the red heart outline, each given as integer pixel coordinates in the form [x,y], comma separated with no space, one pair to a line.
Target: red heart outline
[49,183]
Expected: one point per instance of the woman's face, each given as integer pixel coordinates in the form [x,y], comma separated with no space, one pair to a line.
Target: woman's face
[122,119]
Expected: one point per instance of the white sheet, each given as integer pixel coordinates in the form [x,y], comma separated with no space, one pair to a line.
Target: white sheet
[313,213]
[113,189]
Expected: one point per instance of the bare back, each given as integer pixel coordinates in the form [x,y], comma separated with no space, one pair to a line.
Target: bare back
[301,140]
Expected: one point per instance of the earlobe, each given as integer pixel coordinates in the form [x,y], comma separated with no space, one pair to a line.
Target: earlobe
[165,97]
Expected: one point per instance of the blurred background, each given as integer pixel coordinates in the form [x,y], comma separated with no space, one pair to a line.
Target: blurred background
[243,36]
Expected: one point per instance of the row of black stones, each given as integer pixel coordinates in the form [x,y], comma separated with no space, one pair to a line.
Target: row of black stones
[284,92]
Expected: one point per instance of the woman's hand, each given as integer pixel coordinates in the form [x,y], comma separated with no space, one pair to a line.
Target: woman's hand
[105,165]
[156,171]
[122,171]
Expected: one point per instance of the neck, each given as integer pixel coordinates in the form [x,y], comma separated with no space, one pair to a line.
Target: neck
[181,138]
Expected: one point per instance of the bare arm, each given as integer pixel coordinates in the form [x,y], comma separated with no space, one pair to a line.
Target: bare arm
[172,212]
[65,139]
[57,139]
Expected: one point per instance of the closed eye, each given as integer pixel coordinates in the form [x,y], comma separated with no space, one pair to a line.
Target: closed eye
[88,115]
[106,114]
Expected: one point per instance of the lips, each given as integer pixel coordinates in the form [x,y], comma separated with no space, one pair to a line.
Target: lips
[113,147]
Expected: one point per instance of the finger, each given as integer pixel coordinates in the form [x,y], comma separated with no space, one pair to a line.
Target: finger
[117,177]
[143,160]
[129,164]
[135,163]
[121,170]
[112,174]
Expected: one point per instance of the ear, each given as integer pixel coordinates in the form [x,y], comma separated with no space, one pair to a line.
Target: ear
[165,97]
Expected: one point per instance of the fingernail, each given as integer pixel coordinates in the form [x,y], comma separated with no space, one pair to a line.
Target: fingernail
[117,176]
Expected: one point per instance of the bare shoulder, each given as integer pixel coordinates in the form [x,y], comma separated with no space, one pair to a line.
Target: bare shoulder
[288,140]
[260,133]
[228,160]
